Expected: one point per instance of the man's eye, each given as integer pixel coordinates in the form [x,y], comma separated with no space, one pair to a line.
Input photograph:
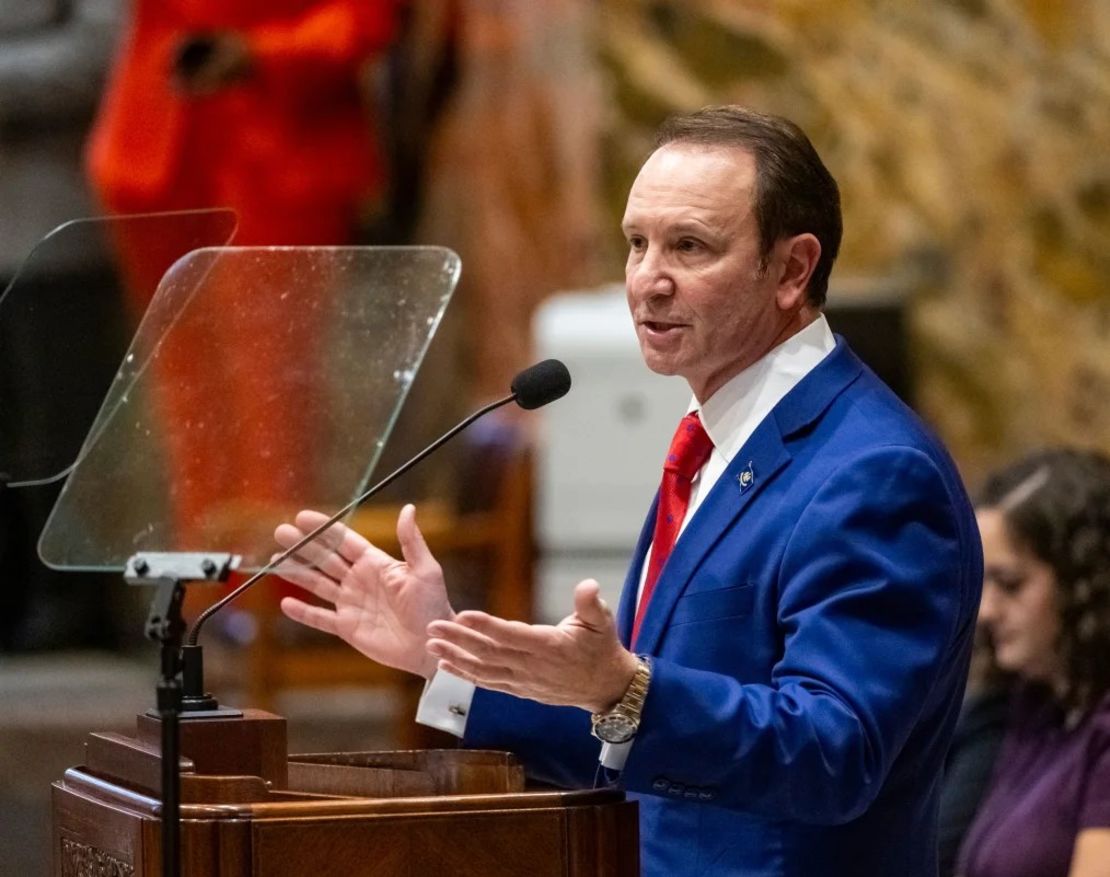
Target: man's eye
[636,243]
[688,245]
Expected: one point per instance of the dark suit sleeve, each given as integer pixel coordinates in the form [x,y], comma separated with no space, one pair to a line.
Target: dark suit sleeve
[553,741]
[871,590]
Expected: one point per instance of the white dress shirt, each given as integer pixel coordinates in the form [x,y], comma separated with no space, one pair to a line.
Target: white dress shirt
[729,416]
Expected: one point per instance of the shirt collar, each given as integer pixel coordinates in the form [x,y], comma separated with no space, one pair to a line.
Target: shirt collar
[732,414]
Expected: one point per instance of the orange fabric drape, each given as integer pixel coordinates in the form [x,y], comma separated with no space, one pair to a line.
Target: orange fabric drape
[291,148]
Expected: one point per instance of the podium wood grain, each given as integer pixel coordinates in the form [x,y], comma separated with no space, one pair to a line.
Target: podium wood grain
[247,811]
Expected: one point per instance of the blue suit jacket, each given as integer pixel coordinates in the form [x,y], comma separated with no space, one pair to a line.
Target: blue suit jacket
[810,636]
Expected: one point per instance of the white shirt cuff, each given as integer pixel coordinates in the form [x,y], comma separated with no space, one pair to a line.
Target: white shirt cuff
[445,703]
[614,755]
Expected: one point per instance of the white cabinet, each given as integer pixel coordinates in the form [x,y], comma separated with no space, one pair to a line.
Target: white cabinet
[601,448]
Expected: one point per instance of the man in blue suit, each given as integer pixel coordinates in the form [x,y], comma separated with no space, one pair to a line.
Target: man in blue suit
[780,682]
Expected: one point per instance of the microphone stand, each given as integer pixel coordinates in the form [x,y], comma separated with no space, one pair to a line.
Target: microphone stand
[170,572]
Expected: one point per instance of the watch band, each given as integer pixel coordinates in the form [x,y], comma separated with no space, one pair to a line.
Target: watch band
[620,724]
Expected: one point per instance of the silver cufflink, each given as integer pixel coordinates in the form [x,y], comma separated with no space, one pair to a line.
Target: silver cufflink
[456,710]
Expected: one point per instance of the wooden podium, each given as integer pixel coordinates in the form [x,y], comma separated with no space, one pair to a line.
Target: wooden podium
[248,808]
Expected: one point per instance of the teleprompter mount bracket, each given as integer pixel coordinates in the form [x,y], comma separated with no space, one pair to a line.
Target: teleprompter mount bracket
[169,572]
[159,567]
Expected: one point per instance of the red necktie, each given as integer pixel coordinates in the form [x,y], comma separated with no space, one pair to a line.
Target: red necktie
[690,448]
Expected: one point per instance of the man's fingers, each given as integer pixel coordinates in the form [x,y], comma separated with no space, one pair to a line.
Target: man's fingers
[333,551]
[413,547]
[473,668]
[293,570]
[310,579]
[462,672]
[287,535]
[514,635]
[352,544]
[309,519]
[475,643]
[505,685]
[310,616]
[313,553]
[340,538]
[289,568]
[590,609]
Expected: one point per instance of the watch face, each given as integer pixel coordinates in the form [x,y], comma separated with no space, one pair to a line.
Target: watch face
[615,728]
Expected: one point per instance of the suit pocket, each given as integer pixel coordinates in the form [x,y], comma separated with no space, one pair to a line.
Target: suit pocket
[732,602]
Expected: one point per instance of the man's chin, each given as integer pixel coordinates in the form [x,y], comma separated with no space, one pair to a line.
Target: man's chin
[661,365]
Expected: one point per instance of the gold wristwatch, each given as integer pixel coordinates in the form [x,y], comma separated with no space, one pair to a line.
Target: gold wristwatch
[620,724]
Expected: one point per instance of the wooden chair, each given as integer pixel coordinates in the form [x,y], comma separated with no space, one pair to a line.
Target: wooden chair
[498,537]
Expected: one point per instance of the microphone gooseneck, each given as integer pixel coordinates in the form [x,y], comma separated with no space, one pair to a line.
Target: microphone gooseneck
[532,388]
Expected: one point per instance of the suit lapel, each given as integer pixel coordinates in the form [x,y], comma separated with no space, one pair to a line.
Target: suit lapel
[764,455]
[757,463]
[626,613]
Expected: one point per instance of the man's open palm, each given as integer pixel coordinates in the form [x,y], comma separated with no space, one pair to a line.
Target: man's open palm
[376,603]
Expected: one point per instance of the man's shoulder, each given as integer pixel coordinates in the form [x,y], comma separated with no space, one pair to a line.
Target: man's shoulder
[846,402]
[860,424]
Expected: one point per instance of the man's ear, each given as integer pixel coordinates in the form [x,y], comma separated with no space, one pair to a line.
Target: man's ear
[798,258]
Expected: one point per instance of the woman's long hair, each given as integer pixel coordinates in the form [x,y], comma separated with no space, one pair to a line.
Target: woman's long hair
[1057,504]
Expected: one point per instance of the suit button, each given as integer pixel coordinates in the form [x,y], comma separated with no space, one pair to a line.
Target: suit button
[705,796]
[693,794]
[660,785]
[676,789]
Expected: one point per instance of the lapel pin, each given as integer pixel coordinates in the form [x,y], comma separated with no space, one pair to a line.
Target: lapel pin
[746,477]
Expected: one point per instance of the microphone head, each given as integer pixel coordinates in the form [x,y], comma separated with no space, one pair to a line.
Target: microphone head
[541,383]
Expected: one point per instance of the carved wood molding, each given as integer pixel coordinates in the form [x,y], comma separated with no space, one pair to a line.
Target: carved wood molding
[82,860]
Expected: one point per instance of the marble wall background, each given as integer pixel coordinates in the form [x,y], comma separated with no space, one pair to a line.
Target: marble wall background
[971,139]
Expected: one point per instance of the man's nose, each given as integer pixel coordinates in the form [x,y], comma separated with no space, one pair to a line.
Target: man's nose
[649,276]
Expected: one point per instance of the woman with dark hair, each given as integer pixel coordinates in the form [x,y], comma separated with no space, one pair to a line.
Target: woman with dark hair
[1045,523]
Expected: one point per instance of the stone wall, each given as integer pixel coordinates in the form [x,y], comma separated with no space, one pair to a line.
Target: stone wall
[971,139]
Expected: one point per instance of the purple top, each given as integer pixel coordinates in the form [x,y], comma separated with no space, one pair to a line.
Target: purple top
[1049,784]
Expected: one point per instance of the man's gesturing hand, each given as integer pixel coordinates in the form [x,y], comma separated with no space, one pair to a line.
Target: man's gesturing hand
[378,604]
[578,662]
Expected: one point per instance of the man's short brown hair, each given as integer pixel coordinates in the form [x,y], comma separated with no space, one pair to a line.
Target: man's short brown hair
[795,193]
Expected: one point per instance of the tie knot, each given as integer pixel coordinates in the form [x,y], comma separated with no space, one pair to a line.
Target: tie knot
[690,447]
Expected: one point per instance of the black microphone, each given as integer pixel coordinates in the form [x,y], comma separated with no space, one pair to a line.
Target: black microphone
[532,388]
[542,383]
